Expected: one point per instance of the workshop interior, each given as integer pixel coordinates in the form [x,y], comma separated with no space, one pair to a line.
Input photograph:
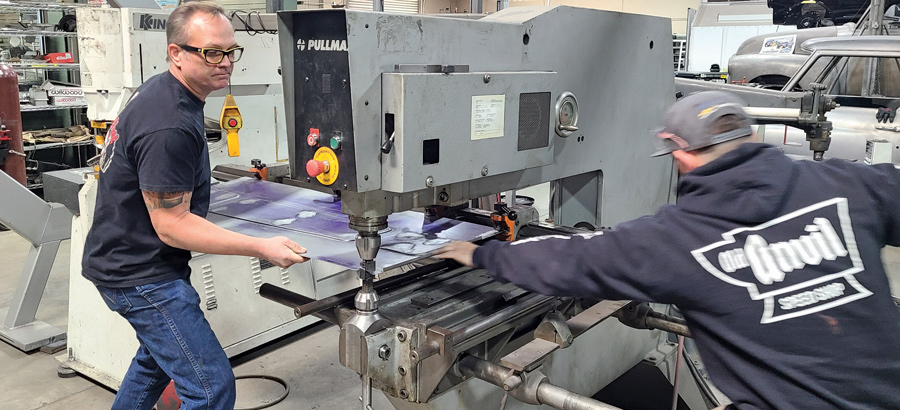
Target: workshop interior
[375,132]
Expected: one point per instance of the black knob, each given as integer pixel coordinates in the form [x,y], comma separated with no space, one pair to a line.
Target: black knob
[387,146]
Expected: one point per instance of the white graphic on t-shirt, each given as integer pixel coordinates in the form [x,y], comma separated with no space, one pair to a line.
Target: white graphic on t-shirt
[109,143]
[799,260]
[109,146]
[586,235]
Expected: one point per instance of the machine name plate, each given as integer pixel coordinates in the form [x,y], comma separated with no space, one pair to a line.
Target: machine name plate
[150,22]
[321,45]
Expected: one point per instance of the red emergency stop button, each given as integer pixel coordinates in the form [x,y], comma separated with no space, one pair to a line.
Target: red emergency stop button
[315,168]
[232,122]
[313,138]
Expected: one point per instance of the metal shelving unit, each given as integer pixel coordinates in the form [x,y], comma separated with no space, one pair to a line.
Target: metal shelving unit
[41,8]
[45,66]
[49,145]
[32,108]
[29,33]
[679,52]
[42,38]
[34,6]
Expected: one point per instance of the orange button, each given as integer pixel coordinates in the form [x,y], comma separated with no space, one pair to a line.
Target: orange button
[232,122]
[315,168]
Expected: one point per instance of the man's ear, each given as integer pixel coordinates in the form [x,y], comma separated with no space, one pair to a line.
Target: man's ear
[686,161]
[176,54]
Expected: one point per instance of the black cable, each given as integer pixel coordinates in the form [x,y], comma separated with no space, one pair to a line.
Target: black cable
[246,22]
[259,18]
[701,381]
[287,390]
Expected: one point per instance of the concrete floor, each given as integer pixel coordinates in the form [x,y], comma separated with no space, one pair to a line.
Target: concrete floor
[308,362]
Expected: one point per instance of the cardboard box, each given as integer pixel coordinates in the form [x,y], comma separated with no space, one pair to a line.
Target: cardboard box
[65,100]
[59,58]
[60,95]
[878,152]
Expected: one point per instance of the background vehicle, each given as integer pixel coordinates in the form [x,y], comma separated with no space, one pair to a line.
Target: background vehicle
[807,14]
[758,63]
[859,76]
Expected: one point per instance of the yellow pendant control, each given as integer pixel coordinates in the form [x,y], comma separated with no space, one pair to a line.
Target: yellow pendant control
[231,122]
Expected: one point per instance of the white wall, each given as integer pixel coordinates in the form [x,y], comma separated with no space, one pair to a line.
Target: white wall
[673,9]
[715,45]
[246,5]
[721,27]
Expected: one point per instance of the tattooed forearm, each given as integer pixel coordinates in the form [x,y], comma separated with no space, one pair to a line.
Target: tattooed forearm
[163,200]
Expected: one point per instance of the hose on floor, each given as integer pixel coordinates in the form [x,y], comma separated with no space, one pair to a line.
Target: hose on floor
[287,390]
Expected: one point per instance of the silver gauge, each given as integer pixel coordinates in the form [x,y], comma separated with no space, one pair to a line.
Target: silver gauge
[566,114]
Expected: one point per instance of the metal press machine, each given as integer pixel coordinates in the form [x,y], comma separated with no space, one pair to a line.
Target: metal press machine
[398,112]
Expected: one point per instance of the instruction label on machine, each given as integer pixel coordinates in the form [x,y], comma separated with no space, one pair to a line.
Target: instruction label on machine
[487,116]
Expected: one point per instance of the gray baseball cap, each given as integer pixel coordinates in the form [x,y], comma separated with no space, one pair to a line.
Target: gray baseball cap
[688,122]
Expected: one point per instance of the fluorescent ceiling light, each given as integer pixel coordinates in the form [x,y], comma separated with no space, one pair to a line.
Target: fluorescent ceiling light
[733,18]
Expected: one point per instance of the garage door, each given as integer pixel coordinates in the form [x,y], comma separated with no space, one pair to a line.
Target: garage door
[390,6]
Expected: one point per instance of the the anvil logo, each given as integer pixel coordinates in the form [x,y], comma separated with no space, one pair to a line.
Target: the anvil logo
[805,261]
[148,22]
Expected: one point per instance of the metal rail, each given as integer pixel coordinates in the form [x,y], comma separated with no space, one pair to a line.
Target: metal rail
[530,388]
[28,108]
[562,399]
[38,6]
[27,33]
[45,66]
[669,324]
[305,306]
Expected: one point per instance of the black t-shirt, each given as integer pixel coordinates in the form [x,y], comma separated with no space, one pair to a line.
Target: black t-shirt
[156,144]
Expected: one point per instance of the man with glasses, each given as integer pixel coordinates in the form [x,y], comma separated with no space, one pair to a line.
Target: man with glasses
[152,198]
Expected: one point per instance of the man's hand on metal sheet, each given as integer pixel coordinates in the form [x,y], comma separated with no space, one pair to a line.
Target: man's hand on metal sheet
[282,251]
[460,251]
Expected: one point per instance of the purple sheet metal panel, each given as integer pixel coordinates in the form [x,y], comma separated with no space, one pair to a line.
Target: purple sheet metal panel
[314,220]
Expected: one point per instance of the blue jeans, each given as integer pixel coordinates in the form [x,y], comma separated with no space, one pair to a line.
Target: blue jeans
[176,343]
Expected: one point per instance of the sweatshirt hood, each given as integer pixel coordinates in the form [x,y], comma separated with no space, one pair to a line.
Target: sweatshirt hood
[747,185]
